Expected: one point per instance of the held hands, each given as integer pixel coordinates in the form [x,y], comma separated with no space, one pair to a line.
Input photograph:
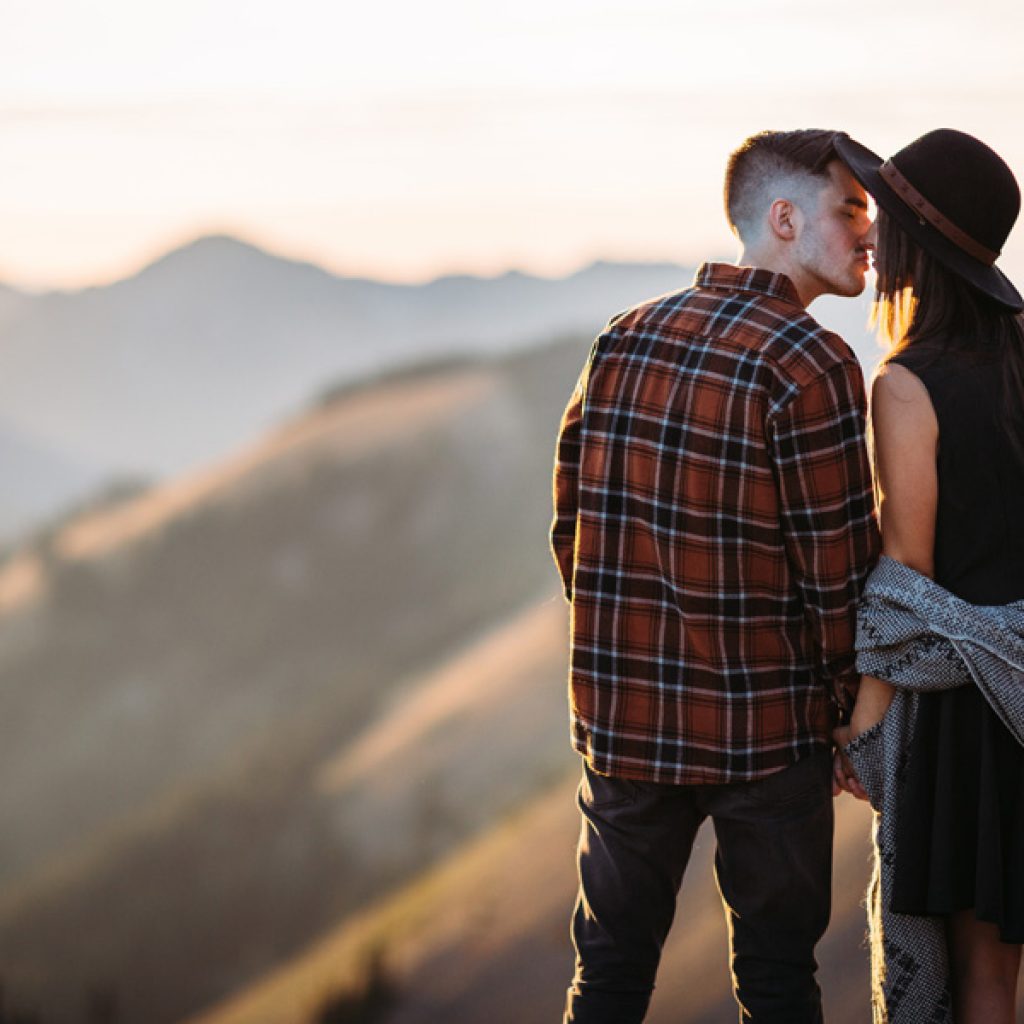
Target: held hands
[843,775]
[873,699]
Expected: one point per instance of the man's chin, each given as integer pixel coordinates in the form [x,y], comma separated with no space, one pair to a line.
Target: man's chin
[850,288]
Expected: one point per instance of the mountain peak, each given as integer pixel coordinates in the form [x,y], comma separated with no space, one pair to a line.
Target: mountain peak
[223,249]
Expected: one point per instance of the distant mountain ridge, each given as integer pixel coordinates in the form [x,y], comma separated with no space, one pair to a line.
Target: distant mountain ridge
[200,351]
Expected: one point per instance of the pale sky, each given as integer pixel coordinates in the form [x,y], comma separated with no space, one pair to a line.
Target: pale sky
[405,140]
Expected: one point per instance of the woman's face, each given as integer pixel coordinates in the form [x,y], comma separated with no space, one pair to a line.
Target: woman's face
[871,239]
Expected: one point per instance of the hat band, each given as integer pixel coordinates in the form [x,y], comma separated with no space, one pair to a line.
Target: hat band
[917,202]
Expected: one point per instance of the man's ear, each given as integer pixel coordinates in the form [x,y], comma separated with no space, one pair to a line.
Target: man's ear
[783,218]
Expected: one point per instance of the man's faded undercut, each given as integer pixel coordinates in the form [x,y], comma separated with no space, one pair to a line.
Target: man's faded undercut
[772,162]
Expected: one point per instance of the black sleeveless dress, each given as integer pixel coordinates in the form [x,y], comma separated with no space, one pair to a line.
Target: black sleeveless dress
[960,843]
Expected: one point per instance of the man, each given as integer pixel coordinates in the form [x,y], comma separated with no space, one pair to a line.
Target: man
[713,527]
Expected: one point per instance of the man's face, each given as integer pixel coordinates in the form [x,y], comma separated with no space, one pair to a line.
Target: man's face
[833,246]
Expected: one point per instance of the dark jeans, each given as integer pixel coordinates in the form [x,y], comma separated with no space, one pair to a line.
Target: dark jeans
[774,869]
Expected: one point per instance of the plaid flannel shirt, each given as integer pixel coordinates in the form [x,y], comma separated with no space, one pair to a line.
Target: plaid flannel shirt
[714,525]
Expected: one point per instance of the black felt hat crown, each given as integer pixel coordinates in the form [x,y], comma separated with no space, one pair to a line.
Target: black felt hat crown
[953,195]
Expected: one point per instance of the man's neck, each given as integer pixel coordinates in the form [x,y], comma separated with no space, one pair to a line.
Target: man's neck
[806,287]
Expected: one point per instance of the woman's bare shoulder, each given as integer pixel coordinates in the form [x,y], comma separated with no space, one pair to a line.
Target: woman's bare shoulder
[900,396]
[894,382]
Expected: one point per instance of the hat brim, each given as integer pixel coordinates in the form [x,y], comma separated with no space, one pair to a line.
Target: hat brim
[989,280]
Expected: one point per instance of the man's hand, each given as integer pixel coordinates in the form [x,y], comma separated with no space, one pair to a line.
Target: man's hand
[843,775]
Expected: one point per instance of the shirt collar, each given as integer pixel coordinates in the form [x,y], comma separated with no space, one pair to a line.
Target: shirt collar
[728,277]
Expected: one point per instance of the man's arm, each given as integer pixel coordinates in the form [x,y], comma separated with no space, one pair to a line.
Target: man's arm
[566,486]
[827,508]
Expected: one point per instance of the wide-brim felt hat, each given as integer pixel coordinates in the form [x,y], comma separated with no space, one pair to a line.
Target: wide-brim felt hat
[953,195]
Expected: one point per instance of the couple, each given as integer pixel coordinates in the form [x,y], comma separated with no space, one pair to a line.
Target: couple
[715,530]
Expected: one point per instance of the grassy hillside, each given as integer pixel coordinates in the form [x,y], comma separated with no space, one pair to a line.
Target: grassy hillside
[191,685]
[484,937]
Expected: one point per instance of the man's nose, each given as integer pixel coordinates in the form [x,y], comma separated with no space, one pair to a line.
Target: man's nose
[870,239]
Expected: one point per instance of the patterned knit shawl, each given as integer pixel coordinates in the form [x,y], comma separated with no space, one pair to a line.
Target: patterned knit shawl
[919,637]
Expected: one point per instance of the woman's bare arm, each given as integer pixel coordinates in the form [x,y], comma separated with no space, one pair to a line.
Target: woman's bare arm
[905,437]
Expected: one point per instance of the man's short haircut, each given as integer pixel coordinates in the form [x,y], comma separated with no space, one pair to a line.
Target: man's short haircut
[763,161]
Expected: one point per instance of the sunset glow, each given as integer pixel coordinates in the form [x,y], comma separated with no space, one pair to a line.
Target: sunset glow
[407,141]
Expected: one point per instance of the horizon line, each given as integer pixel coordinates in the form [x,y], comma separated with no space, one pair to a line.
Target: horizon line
[246,240]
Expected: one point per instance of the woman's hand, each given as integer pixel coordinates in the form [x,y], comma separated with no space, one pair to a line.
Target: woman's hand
[873,699]
[843,775]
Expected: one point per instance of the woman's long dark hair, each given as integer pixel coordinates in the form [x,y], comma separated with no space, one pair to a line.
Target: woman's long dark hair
[919,302]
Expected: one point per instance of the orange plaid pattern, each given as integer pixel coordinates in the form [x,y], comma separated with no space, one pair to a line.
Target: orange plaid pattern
[713,528]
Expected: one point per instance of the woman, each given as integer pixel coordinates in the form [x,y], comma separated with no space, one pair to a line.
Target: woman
[941,754]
